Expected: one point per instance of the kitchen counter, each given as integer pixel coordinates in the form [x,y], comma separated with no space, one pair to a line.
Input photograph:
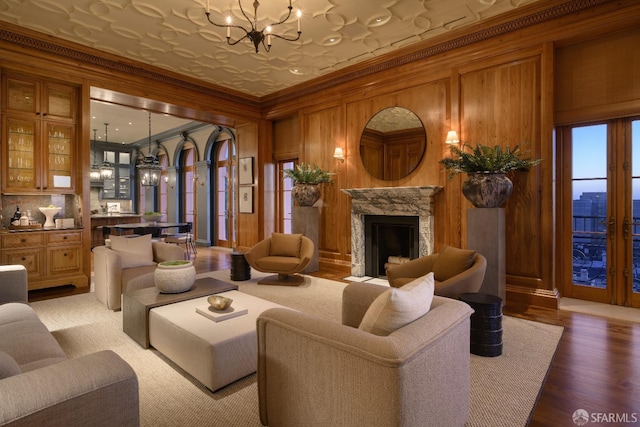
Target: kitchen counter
[115,215]
[31,230]
[101,220]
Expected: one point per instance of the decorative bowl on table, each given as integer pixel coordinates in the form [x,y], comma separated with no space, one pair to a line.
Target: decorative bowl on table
[219,302]
[173,277]
[49,212]
[152,217]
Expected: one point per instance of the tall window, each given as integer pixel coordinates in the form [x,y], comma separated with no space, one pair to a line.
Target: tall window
[602,242]
[163,187]
[188,185]
[142,195]
[285,200]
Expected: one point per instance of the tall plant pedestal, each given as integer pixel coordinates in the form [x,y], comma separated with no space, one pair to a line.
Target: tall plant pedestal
[305,220]
[485,234]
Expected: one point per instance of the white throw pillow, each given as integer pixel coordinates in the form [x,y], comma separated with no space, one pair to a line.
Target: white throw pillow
[397,307]
[134,251]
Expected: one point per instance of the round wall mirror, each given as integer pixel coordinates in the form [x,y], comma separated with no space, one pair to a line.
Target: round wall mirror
[392,143]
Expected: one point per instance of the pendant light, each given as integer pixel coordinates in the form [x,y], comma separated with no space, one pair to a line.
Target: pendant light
[149,169]
[107,169]
[94,175]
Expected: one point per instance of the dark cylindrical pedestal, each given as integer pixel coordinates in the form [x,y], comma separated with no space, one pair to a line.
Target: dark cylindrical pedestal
[486,323]
[240,268]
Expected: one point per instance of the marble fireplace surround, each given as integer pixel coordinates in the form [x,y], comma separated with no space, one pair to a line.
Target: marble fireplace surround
[390,201]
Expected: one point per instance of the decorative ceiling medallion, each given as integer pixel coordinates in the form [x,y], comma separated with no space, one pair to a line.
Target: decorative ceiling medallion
[149,9]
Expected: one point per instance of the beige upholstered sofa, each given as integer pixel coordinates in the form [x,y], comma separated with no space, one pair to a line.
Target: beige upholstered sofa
[284,254]
[40,386]
[456,271]
[315,371]
[128,265]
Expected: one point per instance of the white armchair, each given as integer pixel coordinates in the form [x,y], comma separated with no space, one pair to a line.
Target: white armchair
[315,371]
[112,277]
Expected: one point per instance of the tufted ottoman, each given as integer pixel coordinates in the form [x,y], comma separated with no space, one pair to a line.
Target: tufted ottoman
[215,353]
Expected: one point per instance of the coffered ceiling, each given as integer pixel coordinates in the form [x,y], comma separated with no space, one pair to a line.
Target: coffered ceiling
[175,35]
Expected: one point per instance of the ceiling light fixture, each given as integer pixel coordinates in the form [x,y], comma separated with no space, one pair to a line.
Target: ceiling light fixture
[94,175]
[149,169]
[106,169]
[257,37]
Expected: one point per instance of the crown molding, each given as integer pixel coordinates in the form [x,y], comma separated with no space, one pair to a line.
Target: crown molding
[430,48]
[29,39]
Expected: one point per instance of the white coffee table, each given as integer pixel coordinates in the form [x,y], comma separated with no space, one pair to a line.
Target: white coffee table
[215,353]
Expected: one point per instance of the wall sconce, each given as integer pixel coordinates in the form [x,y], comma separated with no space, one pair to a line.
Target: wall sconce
[338,154]
[452,137]
[196,180]
[166,180]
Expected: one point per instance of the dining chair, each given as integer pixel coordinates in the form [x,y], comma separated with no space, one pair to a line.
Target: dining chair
[184,237]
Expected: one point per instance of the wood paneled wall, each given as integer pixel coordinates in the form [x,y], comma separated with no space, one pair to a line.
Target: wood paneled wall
[598,79]
[493,83]
[497,91]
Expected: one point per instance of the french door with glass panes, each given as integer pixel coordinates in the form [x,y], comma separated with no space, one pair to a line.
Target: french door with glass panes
[601,211]
[225,195]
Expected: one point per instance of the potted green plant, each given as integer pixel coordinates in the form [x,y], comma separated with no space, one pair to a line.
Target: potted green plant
[306,180]
[487,185]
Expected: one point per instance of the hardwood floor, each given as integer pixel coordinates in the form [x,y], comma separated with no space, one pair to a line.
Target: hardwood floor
[596,366]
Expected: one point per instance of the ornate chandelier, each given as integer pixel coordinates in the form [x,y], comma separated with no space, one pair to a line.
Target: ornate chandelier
[149,169]
[257,37]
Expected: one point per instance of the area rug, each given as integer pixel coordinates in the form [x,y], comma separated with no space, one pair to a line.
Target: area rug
[628,314]
[503,389]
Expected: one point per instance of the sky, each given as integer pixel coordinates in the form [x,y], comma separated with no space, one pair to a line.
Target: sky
[590,158]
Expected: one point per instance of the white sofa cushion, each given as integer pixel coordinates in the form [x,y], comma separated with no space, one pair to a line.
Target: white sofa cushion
[134,251]
[397,307]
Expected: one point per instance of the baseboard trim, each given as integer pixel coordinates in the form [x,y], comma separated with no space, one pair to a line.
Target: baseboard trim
[519,295]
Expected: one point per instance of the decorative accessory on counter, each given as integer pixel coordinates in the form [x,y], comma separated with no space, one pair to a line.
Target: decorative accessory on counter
[16,216]
[24,219]
[49,212]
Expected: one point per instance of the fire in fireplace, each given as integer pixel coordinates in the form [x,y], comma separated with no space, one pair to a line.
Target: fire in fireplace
[395,237]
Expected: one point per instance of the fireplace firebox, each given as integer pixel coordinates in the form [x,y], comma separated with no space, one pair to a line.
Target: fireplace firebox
[390,201]
[389,236]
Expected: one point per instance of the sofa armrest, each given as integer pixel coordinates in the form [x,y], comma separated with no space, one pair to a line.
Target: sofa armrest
[15,284]
[307,250]
[413,269]
[469,280]
[259,250]
[99,389]
[107,269]
[356,299]
[167,251]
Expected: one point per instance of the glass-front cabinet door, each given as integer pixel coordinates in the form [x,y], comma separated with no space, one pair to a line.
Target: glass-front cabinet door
[21,96]
[59,155]
[37,160]
[39,123]
[20,150]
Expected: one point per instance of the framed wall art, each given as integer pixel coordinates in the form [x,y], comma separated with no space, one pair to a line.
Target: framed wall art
[246,200]
[245,170]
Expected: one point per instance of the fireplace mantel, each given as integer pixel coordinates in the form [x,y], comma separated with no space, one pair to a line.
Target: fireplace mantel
[400,201]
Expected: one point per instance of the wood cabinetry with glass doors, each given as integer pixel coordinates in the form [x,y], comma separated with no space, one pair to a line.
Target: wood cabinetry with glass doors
[39,126]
